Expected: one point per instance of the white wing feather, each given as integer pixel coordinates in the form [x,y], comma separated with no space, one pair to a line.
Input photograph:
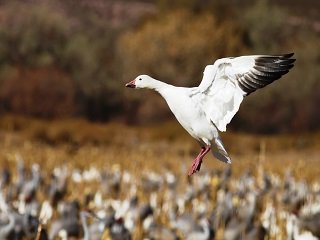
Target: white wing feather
[228,80]
[220,94]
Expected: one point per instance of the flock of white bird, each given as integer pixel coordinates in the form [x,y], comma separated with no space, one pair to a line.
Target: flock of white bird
[156,205]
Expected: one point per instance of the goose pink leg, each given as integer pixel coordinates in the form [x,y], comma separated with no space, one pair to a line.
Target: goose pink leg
[196,163]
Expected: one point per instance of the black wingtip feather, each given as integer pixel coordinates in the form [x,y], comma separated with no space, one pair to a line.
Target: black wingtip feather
[267,69]
[288,55]
[245,87]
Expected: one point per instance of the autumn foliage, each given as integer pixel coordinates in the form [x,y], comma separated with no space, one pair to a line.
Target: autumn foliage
[66,59]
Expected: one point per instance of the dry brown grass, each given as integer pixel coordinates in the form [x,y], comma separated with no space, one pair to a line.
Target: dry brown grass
[78,143]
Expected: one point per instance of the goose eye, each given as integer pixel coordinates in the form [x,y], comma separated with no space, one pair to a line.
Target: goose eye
[140,79]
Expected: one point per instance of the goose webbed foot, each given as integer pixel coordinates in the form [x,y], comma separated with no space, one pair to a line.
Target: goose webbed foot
[196,163]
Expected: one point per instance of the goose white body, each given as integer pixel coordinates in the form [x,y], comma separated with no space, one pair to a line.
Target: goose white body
[205,110]
[189,114]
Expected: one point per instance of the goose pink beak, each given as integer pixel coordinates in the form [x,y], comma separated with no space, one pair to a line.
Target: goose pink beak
[131,84]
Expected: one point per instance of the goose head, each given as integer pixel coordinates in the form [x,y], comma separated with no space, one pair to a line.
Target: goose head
[142,81]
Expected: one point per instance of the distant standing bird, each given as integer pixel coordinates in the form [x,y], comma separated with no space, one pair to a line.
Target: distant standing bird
[205,109]
[7,228]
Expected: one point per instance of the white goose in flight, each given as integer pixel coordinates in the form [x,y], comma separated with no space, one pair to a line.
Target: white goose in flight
[207,109]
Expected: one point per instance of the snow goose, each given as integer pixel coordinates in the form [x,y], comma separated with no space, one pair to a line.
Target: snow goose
[208,108]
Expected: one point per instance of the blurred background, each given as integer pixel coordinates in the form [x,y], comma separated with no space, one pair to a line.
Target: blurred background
[66,115]
[71,58]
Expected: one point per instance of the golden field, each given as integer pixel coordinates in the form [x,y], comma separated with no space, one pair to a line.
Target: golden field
[141,150]
[75,142]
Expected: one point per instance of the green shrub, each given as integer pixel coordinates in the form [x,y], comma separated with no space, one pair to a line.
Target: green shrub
[266,27]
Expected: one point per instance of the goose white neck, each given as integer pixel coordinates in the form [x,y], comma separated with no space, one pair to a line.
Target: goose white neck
[157,85]
[145,81]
